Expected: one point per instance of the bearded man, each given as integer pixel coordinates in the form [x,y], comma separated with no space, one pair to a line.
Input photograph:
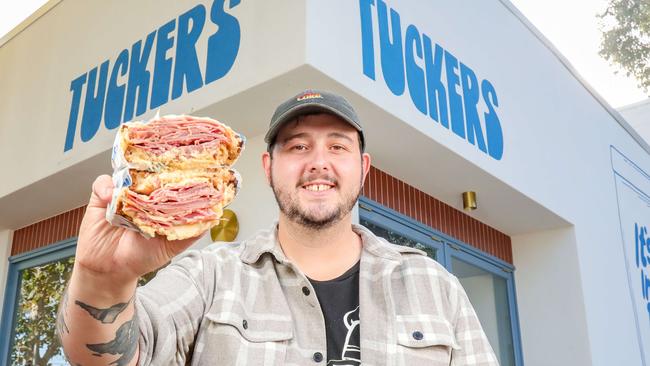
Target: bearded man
[314,289]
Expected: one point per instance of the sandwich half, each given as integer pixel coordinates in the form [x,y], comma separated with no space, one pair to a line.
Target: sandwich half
[172,175]
[177,204]
[179,142]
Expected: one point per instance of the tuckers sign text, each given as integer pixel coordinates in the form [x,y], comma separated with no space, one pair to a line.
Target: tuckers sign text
[100,97]
[434,88]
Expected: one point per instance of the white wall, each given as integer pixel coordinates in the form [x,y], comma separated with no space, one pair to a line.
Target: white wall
[39,64]
[638,115]
[551,305]
[555,170]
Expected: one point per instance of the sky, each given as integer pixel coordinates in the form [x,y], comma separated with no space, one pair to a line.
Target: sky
[571,25]
[13,12]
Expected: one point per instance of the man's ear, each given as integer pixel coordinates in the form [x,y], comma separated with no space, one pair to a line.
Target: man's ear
[365,165]
[266,165]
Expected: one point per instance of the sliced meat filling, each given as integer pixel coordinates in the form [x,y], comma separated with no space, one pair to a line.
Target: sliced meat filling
[174,204]
[190,134]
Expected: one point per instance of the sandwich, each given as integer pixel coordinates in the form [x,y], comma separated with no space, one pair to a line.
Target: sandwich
[179,142]
[172,175]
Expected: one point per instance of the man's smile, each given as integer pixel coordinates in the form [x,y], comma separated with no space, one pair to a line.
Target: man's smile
[318,186]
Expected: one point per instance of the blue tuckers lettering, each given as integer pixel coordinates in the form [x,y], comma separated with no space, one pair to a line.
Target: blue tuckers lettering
[454,102]
[470,102]
[392,57]
[414,73]
[162,66]
[138,77]
[94,103]
[223,45]
[115,93]
[436,91]
[128,89]
[187,63]
[367,47]
[493,129]
[76,87]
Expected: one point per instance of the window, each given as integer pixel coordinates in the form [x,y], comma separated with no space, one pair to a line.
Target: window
[34,287]
[488,281]
[35,284]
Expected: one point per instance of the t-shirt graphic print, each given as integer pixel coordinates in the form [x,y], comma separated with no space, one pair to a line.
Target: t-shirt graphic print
[351,354]
[339,301]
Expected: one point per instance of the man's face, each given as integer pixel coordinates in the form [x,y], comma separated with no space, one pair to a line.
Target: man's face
[317,170]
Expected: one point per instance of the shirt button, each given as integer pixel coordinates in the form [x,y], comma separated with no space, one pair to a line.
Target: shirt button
[318,357]
[418,335]
[305,290]
[244,324]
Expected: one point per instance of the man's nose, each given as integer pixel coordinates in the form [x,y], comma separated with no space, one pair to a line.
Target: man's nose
[319,161]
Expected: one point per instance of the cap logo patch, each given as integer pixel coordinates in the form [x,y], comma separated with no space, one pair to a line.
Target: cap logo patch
[309,96]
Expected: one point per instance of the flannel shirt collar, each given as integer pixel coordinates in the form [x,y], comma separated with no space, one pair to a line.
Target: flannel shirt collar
[266,241]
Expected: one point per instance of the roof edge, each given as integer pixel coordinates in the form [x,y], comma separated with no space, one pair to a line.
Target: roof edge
[613,112]
[49,5]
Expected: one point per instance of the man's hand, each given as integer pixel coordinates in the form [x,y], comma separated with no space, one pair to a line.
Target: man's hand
[97,321]
[115,253]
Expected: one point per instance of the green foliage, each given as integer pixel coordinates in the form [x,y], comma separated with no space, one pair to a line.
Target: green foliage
[35,340]
[41,288]
[626,38]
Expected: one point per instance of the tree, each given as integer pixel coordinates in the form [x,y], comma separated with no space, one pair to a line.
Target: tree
[41,288]
[626,38]
[35,340]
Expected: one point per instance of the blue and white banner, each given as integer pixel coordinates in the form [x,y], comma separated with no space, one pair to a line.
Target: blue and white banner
[633,193]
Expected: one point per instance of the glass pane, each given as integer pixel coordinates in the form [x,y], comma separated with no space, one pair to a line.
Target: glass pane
[35,340]
[396,238]
[488,293]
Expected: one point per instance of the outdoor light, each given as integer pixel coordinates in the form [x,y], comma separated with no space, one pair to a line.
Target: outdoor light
[227,229]
[469,200]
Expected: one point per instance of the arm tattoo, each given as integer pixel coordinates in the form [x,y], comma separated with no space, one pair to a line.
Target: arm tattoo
[106,316]
[125,343]
[61,326]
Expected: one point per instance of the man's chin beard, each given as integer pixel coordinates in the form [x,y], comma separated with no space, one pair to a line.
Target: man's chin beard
[308,221]
[295,214]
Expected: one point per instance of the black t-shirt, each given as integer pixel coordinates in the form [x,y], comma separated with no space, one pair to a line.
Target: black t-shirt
[339,301]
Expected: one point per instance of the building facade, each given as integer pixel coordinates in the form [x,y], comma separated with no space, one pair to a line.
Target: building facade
[454,97]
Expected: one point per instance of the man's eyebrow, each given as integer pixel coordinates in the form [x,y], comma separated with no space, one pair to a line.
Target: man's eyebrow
[294,136]
[340,135]
[305,134]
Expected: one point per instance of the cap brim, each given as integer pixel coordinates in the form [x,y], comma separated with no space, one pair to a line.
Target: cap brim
[305,109]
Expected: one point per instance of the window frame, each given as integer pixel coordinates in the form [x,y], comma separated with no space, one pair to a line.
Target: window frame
[501,272]
[17,263]
[403,225]
[446,248]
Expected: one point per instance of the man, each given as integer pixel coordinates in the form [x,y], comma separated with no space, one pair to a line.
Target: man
[314,289]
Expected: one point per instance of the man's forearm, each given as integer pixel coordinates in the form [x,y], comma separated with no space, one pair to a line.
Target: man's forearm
[97,322]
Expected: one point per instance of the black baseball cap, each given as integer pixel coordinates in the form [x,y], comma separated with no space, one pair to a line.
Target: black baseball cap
[313,101]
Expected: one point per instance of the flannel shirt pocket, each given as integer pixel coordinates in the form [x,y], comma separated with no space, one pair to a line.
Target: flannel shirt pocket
[424,338]
[233,338]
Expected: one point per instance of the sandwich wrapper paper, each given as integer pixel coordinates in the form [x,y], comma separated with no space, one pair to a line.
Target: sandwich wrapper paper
[122,179]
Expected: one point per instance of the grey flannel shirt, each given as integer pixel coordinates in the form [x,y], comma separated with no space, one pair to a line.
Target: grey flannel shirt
[244,304]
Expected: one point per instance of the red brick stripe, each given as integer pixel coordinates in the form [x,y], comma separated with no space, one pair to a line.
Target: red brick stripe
[48,231]
[409,201]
